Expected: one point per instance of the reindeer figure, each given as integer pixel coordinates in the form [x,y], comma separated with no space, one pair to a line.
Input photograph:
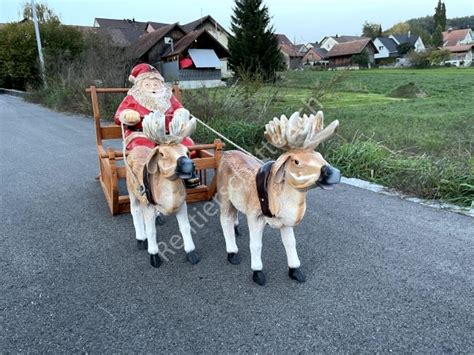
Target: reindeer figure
[274,193]
[154,181]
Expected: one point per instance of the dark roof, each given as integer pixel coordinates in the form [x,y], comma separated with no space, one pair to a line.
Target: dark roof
[349,48]
[389,43]
[282,39]
[317,51]
[321,52]
[345,38]
[157,25]
[193,25]
[121,37]
[315,44]
[125,23]
[186,41]
[405,39]
[452,37]
[147,41]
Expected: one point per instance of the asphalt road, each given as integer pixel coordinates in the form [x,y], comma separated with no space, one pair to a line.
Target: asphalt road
[383,274]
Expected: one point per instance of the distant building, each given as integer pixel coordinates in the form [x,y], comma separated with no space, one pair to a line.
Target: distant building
[415,42]
[342,54]
[387,49]
[457,37]
[200,43]
[292,56]
[460,43]
[329,42]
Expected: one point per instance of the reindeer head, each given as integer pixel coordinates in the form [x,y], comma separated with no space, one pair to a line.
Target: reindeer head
[170,157]
[301,167]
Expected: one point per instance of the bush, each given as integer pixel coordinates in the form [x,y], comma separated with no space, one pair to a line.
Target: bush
[412,174]
[19,65]
[420,60]
[362,59]
[67,80]
[439,56]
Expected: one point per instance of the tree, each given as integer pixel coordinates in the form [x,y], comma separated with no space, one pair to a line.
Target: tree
[371,30]
[439,56]
[19,67]
[253,48]
[439,19]
[362,59]
[43,13]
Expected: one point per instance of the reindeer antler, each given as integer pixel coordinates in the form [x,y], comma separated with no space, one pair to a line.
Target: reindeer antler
[154,127]
[299,132]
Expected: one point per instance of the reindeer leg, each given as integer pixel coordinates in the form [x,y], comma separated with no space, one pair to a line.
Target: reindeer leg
[185,229]
[288,239]
[149,215]
[256,226]
[228,217]
[138,222]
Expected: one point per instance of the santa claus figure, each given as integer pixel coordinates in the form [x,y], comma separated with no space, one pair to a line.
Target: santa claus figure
[149,93]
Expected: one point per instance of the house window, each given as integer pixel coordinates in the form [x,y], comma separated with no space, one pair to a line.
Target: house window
[380,48]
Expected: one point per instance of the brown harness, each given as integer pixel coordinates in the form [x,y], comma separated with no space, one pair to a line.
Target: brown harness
[262,178]
[146,185]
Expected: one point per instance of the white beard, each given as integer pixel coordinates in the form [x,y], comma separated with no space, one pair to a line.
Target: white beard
[159,101]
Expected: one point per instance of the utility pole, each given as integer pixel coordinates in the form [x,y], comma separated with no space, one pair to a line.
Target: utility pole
[38,43]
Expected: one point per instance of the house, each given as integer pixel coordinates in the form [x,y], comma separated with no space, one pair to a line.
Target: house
[461,55]
[217,31]
[460,43]
[457,37]
[292,56]
[316,56]
[127,32]
[387,49]
[330,41]
[193,59]
[412,42]
[342,54]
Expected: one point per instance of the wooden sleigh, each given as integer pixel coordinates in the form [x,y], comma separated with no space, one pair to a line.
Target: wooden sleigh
[112,170]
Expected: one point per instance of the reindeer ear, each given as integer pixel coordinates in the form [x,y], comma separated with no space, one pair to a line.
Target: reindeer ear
[152,161]
[279,168]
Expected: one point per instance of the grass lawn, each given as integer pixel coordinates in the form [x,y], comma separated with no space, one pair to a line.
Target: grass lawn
[422,146]
[440,125]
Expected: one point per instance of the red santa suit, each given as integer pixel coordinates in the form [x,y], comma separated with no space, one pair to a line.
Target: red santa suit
[133,133]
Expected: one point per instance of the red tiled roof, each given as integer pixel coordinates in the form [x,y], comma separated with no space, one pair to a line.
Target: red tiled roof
[291,50]
[452,38]
[349,48]
[458,49]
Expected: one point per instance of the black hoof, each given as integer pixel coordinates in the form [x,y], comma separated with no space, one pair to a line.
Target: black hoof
[142,245]
[155,260]
[237,231]
[259,278]
[192,257]
[233,258]
[159,221]
[297,274]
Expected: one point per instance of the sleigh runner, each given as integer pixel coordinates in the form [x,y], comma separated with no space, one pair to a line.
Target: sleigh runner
[112,170]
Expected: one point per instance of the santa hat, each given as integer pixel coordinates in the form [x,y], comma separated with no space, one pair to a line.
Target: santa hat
[142,71]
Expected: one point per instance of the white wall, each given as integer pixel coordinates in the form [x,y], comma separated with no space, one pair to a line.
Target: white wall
[383,51]
[328,43]
[419,45]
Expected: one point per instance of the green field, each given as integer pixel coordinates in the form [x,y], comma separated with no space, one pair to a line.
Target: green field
[440,125]
[422,146]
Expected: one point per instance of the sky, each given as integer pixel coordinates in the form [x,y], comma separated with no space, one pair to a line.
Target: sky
[301,20]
